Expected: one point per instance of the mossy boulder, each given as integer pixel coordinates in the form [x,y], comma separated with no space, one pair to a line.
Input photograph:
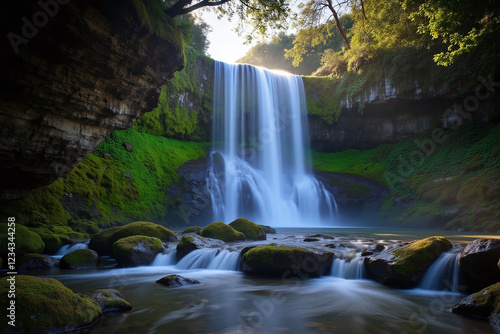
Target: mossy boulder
[109,300]
[53,241]
[36,262]
[221,231]
[45,305]
[84,226]
[136,250]
[285,261]
[66,230]
[101,241]
[26,241]
[479,263]
[251,230]
[268,229]
[484,304]
[176,280]
[192,242]
[192,229]
[404,264]
[80,259]
[104,240]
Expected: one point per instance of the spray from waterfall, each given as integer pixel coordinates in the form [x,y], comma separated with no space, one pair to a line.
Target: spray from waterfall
[260,165]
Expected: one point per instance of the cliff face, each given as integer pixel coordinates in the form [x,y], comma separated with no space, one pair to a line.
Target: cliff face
[72,72]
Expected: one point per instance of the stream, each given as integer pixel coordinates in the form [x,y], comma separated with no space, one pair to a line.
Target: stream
[229,301]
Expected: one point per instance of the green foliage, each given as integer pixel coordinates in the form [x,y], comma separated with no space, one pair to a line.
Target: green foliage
[221,231]
[419,255]
[251,230]
[79,259]
[47,305]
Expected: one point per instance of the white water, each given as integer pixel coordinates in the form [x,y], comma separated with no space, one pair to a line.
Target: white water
[66,249]
[353,269]
[443,275]
[165,258]
[259,166]
[210,258]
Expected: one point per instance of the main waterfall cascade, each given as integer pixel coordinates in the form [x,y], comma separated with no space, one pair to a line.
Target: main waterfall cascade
[260,167]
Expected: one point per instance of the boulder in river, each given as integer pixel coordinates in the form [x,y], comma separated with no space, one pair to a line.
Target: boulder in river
[26,240]
[286,261]
[137,250]
[176,280]
[372,249]
[80,259]
[251,230]
[45,305]
[36,262]
[483,304]
[192,242]
[100,242]
[479,263]
[192,229]
[268,229]
[221,231]
[404,264]
[109,300]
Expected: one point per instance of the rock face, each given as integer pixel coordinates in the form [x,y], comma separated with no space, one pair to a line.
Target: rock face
[176,280]
[89,69]
[479,263]
[286,262]
[403,265]
[192,242]
[483,304]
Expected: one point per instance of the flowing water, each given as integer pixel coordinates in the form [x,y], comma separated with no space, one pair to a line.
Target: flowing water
[66,249]
[229,301]
[259,167]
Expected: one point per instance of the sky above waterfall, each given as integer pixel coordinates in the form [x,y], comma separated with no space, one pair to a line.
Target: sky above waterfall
[225,44]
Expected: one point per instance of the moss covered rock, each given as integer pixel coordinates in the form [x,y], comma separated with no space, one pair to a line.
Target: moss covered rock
[192,242]
[26,241]
[36,262]
[81,259]
[53,241]
[251,230]
[85,226]
[45,305]
[176,280]
[109,300]
[136,250]
[483,304]
[404,264]
[221,231]
[101,241]
[192,229]
[145,229]
[479,263]
[268,229]
[286,261]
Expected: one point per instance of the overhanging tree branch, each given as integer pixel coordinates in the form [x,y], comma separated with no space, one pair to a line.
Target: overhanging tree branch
[180,7]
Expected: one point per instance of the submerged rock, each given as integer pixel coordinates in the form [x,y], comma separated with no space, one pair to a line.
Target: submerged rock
[483,304]
[310,239]
[80,259]
[136,250]
[479,263]
[221,231]
[36,262]
[176,280]
[109,300]
[268,229]
[286,261]
[404,264]
[251,230]
[45,305]
[192,242]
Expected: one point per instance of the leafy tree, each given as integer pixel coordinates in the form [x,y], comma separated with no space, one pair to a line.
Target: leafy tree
[194,32]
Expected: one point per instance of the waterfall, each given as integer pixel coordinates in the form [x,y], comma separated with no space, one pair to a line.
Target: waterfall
[354,269]
[260,166]
[210,258]
[165,258]
[443,274]
[66,249]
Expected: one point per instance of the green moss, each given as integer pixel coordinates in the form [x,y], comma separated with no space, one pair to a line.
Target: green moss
[192,229]
[221,231]
[101,241]
[420,254]
[251,230]
[489,297]
[80,258]
[184,240]
[84,226]
[45,304]
[144,229]
[26,241]
[123,249]
[108,300]
[28,257]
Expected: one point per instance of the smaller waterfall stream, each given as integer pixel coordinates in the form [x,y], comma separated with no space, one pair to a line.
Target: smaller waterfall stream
[210,258]
[66,249]
[443,274]
[353,269]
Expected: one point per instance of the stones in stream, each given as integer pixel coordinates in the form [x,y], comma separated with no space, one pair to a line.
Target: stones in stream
[192,242]
[479,263]
[483,304]
[176,280]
